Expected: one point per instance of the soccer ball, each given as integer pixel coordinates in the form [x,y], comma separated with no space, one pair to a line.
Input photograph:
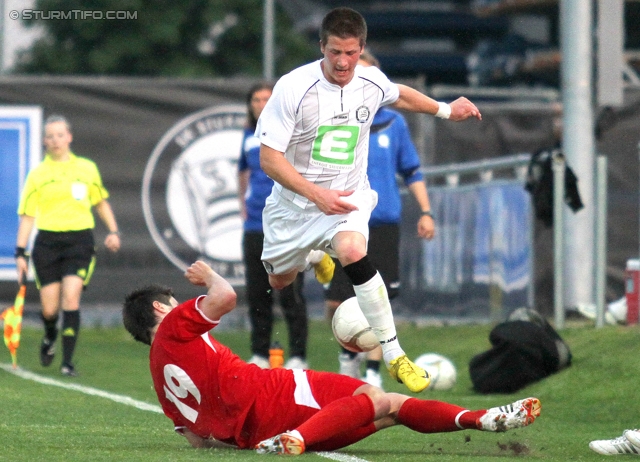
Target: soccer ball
[351,329]
[442,370]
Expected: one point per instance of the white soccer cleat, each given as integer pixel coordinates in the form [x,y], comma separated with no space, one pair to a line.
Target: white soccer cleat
[284,443]
[515,415]
[618,310]
[619,445]
[588,310]
[633,436]
[350,366]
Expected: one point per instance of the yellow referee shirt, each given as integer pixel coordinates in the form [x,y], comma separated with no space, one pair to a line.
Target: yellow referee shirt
[60,194]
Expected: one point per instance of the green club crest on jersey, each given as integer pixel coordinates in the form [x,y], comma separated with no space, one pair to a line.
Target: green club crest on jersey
[335,146]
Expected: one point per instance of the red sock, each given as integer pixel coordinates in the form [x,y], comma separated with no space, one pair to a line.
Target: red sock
[344,439]
[429,416]
[341,417]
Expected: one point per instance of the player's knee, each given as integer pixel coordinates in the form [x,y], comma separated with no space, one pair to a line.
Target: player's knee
[350,247]
[276,284]
[377,395]
[351,255]
[279,282]
[70,303]
[381,403]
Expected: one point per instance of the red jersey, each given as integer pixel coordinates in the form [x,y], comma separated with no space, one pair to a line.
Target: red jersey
[203,386]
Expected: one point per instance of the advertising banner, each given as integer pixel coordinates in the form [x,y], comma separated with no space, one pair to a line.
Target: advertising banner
[20,151]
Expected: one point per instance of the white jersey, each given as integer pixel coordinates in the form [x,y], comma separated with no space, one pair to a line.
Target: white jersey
[322,128]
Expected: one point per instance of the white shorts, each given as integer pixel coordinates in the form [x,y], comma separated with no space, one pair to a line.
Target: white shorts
[290,233]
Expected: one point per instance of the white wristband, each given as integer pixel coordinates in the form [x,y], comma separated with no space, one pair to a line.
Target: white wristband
[444,110]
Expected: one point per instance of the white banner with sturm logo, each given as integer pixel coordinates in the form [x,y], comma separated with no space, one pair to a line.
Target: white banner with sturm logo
[190,191]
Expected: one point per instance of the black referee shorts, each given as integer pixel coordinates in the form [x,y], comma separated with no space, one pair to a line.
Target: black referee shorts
[383,250]
[59,254]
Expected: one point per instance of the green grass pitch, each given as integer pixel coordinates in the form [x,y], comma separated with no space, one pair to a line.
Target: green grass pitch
[597,397]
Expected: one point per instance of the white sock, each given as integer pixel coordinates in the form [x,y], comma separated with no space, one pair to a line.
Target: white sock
[297,434]
[374,303]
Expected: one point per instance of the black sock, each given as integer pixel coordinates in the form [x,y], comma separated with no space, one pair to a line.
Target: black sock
[351,354]
[361,271]
[50,327]
[70,328]
[373,365]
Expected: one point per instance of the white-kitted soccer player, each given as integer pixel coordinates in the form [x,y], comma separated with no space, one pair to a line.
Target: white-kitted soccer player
[314,134]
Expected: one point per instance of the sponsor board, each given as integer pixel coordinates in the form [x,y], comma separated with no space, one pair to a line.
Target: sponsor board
[20,151]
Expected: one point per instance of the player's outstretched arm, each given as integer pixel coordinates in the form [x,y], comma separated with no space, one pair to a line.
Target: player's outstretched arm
[412,100]
[462,109]
[220,299]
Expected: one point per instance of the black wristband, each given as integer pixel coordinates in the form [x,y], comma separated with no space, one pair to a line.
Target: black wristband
[427,214]
[21,252]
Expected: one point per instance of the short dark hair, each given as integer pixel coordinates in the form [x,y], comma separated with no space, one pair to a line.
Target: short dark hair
[251,119]
[138,313]
[343,23]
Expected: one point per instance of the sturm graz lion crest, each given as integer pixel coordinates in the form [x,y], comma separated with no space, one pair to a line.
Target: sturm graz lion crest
[190,191]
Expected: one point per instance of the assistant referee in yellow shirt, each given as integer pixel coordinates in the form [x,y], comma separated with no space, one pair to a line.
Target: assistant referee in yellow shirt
[57,198]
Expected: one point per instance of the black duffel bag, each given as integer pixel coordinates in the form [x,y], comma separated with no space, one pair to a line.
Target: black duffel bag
[524,350]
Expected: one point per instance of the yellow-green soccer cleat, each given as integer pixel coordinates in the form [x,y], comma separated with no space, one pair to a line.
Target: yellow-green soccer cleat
[405,371]
[284,443]
[324,269]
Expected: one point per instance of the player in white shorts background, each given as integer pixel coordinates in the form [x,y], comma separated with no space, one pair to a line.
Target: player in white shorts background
[314,134]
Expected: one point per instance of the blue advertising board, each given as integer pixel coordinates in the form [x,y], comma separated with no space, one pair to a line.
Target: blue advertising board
[20,151]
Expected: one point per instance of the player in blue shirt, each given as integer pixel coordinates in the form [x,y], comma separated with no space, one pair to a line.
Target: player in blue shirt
[391,153]
[253,188]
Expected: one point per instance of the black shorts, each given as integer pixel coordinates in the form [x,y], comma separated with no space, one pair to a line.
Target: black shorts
[383,250]
[56,255]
